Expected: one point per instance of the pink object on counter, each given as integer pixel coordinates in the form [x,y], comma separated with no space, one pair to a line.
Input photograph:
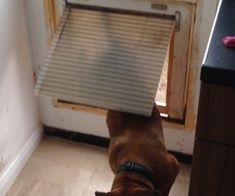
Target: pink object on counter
[229,41]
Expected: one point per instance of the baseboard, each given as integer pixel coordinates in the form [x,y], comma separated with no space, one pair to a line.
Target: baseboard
[13,169]
[99,141]
[77,137]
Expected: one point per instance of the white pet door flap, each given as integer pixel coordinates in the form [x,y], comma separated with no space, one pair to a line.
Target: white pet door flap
[106,59]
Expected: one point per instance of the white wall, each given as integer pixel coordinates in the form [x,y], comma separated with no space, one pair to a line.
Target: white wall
[205,18]
[19,110]
[37,31]
[176,139]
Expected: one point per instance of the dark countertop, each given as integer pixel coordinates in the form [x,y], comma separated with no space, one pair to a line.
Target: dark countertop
[219,65]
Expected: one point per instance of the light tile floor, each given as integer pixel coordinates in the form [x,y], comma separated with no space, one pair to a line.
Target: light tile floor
[63,168]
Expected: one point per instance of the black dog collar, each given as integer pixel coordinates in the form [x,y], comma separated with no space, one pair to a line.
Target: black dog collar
[138,168]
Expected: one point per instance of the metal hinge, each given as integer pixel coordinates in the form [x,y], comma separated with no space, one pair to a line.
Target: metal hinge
[177,20]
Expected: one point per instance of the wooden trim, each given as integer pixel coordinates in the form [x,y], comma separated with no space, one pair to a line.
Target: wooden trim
[179,1]
[79,107]
[170,71]
[84,108]
[52,13]
[190,118]
[163,109]
[179,70]
[52,17]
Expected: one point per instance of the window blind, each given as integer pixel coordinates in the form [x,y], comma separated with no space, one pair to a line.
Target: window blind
[106,59]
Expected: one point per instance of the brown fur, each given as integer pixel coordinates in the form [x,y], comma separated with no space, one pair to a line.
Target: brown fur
[139,139]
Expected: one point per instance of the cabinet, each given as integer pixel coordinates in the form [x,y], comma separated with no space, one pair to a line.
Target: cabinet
[213,170]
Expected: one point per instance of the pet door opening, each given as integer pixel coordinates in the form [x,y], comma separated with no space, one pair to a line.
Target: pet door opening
[161,96]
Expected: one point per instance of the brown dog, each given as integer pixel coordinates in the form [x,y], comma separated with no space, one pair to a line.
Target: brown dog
[138,157]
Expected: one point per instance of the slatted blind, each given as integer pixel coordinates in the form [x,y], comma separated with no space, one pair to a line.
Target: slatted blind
[106,59]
